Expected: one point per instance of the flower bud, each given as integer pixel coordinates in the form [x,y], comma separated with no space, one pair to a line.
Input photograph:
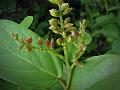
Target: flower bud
[56,1]
[15,36]
[74,33]
[52,43]
[53,22]
[59,41]
[64,34]
[67,11]
[83,47]
[54,13]
[68,26]
[67,20]
[64,6]
[40,42]
[28,40]
[47,43]
[55,29]
[28,48]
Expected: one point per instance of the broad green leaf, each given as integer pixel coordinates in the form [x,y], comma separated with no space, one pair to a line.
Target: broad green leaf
[27,21]
[37,69]
[96,70]
[5,85]
[10,86]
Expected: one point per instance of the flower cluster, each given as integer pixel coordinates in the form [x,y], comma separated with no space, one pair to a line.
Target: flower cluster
[27,42]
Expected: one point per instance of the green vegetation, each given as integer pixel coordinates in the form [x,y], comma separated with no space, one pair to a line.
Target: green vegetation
[59,45]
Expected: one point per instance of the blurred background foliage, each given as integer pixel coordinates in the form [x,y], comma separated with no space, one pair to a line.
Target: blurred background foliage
[102,16]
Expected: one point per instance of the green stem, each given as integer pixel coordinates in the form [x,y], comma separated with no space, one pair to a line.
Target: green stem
[62,82]
[69,70]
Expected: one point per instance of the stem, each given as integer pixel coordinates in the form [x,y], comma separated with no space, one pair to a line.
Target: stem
[69,70]
[62,82]
[61,19]
[68,67]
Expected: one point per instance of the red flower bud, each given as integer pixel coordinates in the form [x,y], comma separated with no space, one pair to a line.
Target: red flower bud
[28,48]
[47,42]
[28,40]
[52,43]
[40,42]
[83,47]
[74,33]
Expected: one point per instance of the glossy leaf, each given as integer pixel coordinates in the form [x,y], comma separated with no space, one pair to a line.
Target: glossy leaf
[97,70]
[38,69]
[27,21]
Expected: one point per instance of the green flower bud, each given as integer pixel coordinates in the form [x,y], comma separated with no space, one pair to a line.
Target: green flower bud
[64,6]
[54,13]
[67,11]
[59,41]
[68,25]
[55,29]
[53,22]
[67,20]
[64,34]
[56,1]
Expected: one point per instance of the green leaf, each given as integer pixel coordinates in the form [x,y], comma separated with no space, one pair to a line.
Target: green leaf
[10,86]
[111,31]
[27,21]
[102,20]
[86,38]
[116,46]
[37,69]
[55,1]
[98,69]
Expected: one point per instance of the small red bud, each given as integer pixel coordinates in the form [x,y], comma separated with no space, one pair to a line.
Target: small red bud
[47,43]
[28,40]
[52,43]
[40,42]
[75,33]
[83,47]
[28,48]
